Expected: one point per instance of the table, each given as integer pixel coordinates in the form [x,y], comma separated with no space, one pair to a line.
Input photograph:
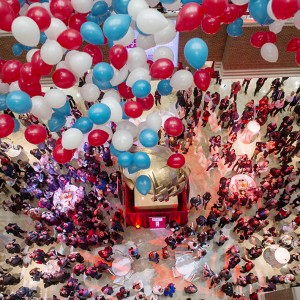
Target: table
[65,199]
[16,153]
[121,265]
[282,255]
[241,182]
[185,265]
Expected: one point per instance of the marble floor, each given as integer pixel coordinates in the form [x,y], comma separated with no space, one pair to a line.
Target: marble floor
[149,240]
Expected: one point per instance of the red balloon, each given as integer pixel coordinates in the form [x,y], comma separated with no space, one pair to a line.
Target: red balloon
[149,62]
[293,45]
[210,71]
[27,74]
[125,91]
[70,39]
[118,56]
[11,71]
[61,9]
[271,37]
[173,126]
[62,155]
[146,102]
[242,9]
[97,137]
[39,66]
[94,51]
[76,20]
[202,79]
[210,25]
[189,17]
[176,161]
[283,10]
[7,16]
[133,109]
[214,8]
[40,16]
[297,58]
[35,134]
[231,13]
[162,68]
[63,78]
[32,89]
[258,39]
[7,125]
[15,5]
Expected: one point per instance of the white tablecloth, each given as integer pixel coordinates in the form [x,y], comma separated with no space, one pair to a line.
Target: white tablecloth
[61,201]
[282,255]
[121,265]
[241,182]
[185,265]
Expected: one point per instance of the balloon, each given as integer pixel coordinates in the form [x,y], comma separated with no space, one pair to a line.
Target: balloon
[115,108]
[173,126]
[103,72]
[276,26]
[3,105]
[120,6]
[11,71]
[70,39]
[293,45]
[125,91]
[148,138]
[202,79]
[17,125]
[80,63]
[269,52]
[172,4]
[99,113]
[136,6]
[145,41]
[35,134]
[127,39]
[151,21]
[164,87]
[258,39]
[62,155]
[102,85]
[181,80]
[153,121]
[147,102]
[231,13]
[14,86]
[240,2]
[94,52]
[137,58]
[39,66]
[119,76]
[258,11]
[97,137]
[7,125]
[125,159]
[189,17]
[55,98]
[214,8]
[64,110]
[19,102]
[176,161]
[17,49]
[7,16]
[114,151]
[15,5]
[271,37]
[283,10]
[163,52]
[55,29]
[138,74]
[297,58]
[90,92]
[122,140]
[141,88]
[76,20]
[63,78]
[128,126]
[61,9]
[99,8]
[196,52]
[133,109]
[118,56]
[72,139]
[92,33]
[112,94]
[28,75]
[40,16]
[210,25]
[235,29]
[84,124]
[56,122]
[40,108]
[143,184]
[51,52]
[116,26]
[82,6]
[32,89]
[141,160]
[166,35]
[162,68]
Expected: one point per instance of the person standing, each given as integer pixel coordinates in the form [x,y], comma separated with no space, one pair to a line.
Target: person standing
[235,88]
[157,97]
[259,84]
[246,82]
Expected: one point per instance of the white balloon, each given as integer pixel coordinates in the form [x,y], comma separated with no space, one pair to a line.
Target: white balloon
[163,52]
[181,80]
[270,11]
[68,57]
[119,75]
[143,125]
[154,121]
[128,126]
[152,3]
[80,63]
[269,52]
[24,9]
[276,26]
[240,2]
[138,74]
[55,29]
[62,65]
[82,6]
[4,87]
[89,78]
[122,140]
[40,108]
[46,5]
[112,94]
[128,175]
[297,19]
[106,129]
[173,6]
[127,39]
[14,86]
[51,52]
[145,41]
[166,35]
[25,31]
[30,54]
[151,21]
[90,92]
[55,98]
[136,58]
[72,138]
[115,108]
[136,6]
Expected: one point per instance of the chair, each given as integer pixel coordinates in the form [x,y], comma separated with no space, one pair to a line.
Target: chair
[128,275]
[111,272]
[175,273]
[190,278]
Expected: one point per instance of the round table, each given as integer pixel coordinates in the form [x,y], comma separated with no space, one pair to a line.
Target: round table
[16,153]
[65,199]
[185,266]
[282,255]
[241,182]
[121,265]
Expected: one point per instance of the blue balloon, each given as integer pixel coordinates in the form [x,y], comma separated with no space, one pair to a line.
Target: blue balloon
[102,85]
[92,18]
[120,6]
[116,26]
[103,17]
[188,1]
[164,87]
[148,138]
[167,1]
[84,124]
[17,49]
[259,12]
[141,88]
[56,122]
[125,159]
[235,29]
[103,72]
[99,113]
[99,8]
[114,151]
[3,105]
[65,110]
[22,2]
[19,102]
[140,32]
[27,48]
[92,33]
[43,38]
[196,52]
[143,184]
[141,160]
[17,125]
[133,169]
[124,116]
